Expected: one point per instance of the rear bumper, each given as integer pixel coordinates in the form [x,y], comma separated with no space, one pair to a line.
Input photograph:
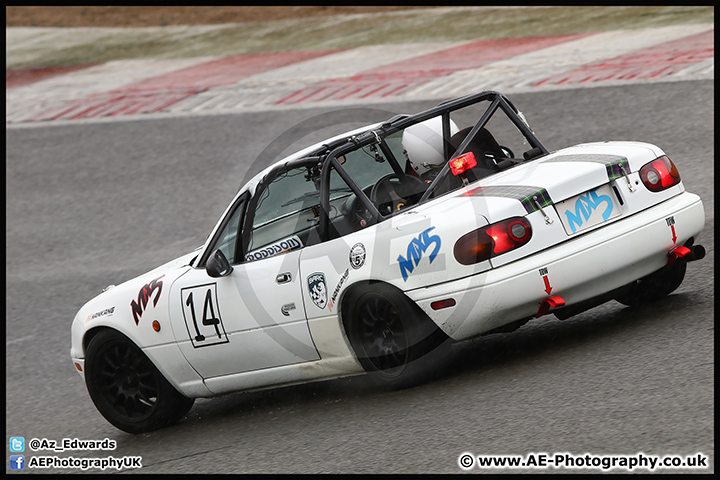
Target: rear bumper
[576,270]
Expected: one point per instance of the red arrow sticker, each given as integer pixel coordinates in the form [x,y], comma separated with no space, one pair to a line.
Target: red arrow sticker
[544,274]
[548,288]
[671,223]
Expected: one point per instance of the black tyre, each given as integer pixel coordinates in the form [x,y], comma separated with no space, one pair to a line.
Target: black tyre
[395,342]
[654,286]
[127,388]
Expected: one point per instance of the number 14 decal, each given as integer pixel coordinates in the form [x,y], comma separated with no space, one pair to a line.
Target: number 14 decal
[208,329]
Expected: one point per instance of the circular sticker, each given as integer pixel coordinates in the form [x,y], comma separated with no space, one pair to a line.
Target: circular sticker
[357,256]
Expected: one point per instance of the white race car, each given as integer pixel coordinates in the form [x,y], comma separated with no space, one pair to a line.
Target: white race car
[366,252]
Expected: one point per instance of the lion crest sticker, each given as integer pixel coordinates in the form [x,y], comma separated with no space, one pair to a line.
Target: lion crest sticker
[318,289]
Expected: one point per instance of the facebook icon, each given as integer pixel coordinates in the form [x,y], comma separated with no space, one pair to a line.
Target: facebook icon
[17,462]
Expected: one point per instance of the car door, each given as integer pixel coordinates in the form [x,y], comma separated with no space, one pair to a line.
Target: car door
[253,318]
[249,320]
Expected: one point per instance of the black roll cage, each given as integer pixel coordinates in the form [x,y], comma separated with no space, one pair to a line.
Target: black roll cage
[400,122]
[325,158]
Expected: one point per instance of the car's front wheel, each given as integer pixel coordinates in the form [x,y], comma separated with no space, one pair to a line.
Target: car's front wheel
[394,341]
[127,388]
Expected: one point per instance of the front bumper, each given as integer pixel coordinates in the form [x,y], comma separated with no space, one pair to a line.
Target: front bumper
[576,270]
[79,364]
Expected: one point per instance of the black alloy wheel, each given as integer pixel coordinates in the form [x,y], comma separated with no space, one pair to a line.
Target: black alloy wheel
[383,335]
[127,388]
[394,341]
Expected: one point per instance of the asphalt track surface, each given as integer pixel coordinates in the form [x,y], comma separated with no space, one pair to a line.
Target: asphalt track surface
[98,203]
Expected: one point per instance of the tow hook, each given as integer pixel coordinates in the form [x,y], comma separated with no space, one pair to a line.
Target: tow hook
[685,254]
[549,303]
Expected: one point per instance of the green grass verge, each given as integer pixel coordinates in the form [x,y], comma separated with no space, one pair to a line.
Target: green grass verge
[57,46]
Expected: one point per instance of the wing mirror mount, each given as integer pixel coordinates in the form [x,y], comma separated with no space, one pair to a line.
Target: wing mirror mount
[217,265]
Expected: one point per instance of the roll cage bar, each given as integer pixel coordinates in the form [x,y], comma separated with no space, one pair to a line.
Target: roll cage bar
[325,158]
[400,122]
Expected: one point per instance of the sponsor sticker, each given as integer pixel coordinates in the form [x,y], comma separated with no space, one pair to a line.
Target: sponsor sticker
[285,309]
[415,251]
[102,313]
[318,289]
[336,292]
[282,246]
[146,292]
[357,256]
[588,209]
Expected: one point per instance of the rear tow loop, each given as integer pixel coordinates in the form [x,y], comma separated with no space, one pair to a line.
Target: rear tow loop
[685,254]
[549,303]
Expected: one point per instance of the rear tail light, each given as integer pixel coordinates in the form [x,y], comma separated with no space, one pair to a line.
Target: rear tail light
[659,174]
[493,240]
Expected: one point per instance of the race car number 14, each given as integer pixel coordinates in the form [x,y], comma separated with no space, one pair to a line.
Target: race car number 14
[207,329]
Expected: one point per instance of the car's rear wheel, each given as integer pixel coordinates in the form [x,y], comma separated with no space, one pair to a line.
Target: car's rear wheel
[395,342]
[127,388]
[654,286]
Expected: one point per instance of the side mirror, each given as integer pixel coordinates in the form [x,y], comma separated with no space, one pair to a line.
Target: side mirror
[217,265]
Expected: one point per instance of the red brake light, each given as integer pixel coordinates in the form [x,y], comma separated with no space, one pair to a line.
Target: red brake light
[501,240]
[659,174]
[493,240]
[463,163]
